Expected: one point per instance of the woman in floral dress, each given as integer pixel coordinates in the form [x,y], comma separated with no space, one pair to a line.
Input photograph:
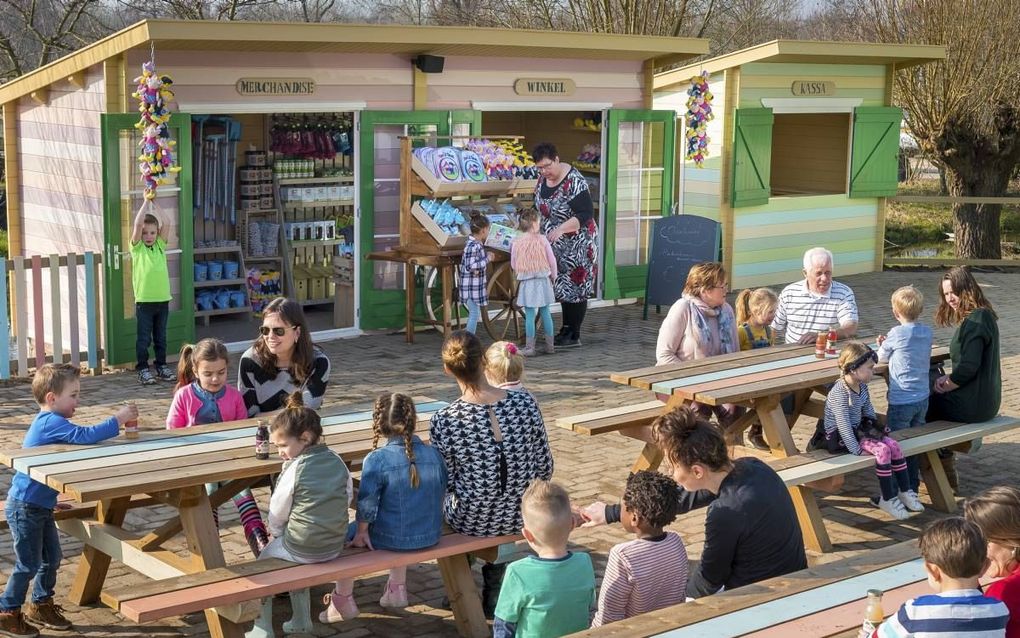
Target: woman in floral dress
[568,222]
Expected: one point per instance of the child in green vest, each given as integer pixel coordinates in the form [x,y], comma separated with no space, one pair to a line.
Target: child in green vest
[150,279]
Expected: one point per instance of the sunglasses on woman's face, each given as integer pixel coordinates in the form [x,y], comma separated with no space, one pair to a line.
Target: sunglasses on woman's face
[279,332]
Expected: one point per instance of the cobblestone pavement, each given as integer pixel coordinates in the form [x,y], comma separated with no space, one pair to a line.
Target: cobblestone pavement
[571,381]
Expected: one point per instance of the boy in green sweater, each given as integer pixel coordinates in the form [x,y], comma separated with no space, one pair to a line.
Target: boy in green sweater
[553,593]
[150,279]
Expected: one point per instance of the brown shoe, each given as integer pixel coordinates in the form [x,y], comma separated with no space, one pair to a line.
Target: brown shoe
[12,624]
[48,614]
[757,439]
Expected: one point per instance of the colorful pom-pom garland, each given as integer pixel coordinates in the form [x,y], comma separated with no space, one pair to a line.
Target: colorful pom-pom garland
[156,160]
[699,114]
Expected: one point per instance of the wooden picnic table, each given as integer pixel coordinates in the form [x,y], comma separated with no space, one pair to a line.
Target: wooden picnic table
[755,379]
[172,467]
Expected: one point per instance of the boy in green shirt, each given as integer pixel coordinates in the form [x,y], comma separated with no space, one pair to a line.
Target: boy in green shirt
[551,594]
[150,279]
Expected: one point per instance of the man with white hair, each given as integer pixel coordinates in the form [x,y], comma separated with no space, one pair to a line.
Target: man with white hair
[815,304]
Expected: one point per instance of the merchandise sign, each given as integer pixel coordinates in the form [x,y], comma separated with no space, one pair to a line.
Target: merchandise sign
[276,86]
[811,88]
[544,86]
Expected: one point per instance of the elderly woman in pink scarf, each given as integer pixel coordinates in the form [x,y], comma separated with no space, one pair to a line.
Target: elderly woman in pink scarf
[699,325]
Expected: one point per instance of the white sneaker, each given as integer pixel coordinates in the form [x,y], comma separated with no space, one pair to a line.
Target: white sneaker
[910,501]
[394,596]
[893,507]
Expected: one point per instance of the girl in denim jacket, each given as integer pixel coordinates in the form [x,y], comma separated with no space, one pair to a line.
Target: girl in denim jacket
[400,502]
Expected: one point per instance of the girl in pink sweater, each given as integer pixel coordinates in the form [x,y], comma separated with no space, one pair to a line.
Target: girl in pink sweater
[203,396]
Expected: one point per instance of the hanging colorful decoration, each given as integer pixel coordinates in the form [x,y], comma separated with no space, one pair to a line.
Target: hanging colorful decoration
[157,158]
[699,114]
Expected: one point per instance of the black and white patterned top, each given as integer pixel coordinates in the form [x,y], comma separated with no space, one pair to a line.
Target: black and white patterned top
[576,253]
[263,392]
[488,478]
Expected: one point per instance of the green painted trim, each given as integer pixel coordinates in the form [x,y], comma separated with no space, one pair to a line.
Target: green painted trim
[121,332]
[808,69]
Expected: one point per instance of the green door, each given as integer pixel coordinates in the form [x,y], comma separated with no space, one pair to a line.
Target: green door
[639,157]
[122,197]
[381,283]
[751,183]
[876,147]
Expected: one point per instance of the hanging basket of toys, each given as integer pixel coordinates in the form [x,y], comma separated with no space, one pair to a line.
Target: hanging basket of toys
[699,114]
[156,161]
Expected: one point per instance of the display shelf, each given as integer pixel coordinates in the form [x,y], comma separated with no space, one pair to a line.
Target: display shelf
[297,181]
[317,302]
[261,211]
[217,250]
[265,258]
[222,311]
[586,129]
[288,206]
[590,171]
[219,282]
[312,243]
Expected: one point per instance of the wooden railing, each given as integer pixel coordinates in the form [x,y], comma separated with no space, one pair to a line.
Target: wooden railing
[25,344]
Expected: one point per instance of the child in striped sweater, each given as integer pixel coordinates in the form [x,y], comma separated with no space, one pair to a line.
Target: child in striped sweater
[851,426]
[649,572]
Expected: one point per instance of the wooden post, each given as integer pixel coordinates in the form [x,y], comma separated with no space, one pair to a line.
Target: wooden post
[464,598]
[937,483]
[409,291]
[88,582]
[56,306]
[773,422]
[816,538]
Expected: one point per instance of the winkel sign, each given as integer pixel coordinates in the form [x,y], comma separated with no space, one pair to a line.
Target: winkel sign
[544,86]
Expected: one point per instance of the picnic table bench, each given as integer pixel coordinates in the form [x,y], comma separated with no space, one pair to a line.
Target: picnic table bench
[822,601]
[171,467]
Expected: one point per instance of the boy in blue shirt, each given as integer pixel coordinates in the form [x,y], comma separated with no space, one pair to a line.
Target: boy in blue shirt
[551,594]
[955,556]
[30,504]
[907,348]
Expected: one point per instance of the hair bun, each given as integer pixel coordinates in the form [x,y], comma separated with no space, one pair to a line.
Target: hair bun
[295,400]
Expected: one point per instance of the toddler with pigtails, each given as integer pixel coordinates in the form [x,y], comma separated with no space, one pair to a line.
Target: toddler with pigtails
[400,501]
[203,396]
[851,425]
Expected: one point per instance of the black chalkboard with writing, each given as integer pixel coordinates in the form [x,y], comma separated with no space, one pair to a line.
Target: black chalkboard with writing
[678,242]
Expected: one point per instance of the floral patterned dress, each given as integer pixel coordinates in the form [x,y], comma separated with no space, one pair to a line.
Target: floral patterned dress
[576,253]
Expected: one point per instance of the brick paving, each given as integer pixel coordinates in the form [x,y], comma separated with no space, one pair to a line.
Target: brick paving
[591,468]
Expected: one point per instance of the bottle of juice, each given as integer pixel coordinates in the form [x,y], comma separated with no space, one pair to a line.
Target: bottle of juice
[131,428]
[873,615]
[820,344]
[830,341]
[262,442]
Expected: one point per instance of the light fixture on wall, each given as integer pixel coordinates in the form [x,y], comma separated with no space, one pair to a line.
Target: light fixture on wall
[429,63]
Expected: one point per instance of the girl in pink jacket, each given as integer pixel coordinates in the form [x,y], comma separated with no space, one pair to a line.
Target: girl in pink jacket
[203,396]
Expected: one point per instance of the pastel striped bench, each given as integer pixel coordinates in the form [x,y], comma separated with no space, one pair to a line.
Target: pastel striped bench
[799,471]
[826,600]
[254,579]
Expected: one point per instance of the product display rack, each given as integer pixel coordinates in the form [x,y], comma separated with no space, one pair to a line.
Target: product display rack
[236,252]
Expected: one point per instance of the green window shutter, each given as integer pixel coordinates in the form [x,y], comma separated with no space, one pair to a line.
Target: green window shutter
[876,145]
[752,157]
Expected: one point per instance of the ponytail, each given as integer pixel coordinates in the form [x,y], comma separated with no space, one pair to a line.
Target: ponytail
[743,306]
[185,367]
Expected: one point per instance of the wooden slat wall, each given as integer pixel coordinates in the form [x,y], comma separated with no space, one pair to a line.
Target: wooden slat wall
[769,79]
[809,153]
[36,286]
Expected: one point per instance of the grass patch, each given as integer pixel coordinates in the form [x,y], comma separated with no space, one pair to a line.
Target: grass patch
[3,243]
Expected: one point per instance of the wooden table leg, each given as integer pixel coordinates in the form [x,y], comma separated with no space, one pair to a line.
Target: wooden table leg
[937,484]
[206,552]
[800,398]
[447,278]
[464,598]
[773,422]
[88,581]
[816,538]
[409,268]
[649,459]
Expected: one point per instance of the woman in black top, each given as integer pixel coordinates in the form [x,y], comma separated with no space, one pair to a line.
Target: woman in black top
[751,530]
[568,222]
[281,361]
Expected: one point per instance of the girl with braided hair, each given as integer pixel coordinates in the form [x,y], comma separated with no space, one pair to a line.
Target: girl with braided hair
[400,501]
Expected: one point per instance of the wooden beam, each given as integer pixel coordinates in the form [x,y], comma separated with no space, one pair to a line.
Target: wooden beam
[727,217]
[41,96]
[420,82]
[77,79]
[115,80]
[12,171]
[648,83]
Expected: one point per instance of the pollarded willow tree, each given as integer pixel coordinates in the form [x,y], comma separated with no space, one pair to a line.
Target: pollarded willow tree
[964,110]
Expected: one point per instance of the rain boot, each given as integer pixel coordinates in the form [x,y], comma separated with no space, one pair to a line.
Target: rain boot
[301,613]
[550,345]
[492,582]
[529,347]
[264,623]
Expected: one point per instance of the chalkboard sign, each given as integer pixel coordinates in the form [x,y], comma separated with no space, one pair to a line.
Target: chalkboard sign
[678,242]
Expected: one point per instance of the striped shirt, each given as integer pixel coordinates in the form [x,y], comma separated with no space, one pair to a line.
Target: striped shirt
[962,612]
[843,411]
[801,311]
[642,575]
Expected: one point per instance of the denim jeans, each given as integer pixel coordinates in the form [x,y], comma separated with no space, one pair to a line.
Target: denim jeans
[474,315]
[37,553]
[901,417]
[151,317]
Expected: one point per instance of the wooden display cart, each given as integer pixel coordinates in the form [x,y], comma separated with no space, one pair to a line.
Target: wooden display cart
[423,245]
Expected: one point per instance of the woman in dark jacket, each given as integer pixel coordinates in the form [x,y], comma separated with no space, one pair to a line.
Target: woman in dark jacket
[972,392]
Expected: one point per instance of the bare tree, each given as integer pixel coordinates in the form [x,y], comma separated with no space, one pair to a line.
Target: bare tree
[965,110]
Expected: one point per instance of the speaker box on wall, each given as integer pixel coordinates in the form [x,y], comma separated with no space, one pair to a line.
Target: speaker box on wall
[429,63]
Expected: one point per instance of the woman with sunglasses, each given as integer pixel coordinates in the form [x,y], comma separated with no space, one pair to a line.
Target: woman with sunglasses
[567,219]
[281,361]
[997,512]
